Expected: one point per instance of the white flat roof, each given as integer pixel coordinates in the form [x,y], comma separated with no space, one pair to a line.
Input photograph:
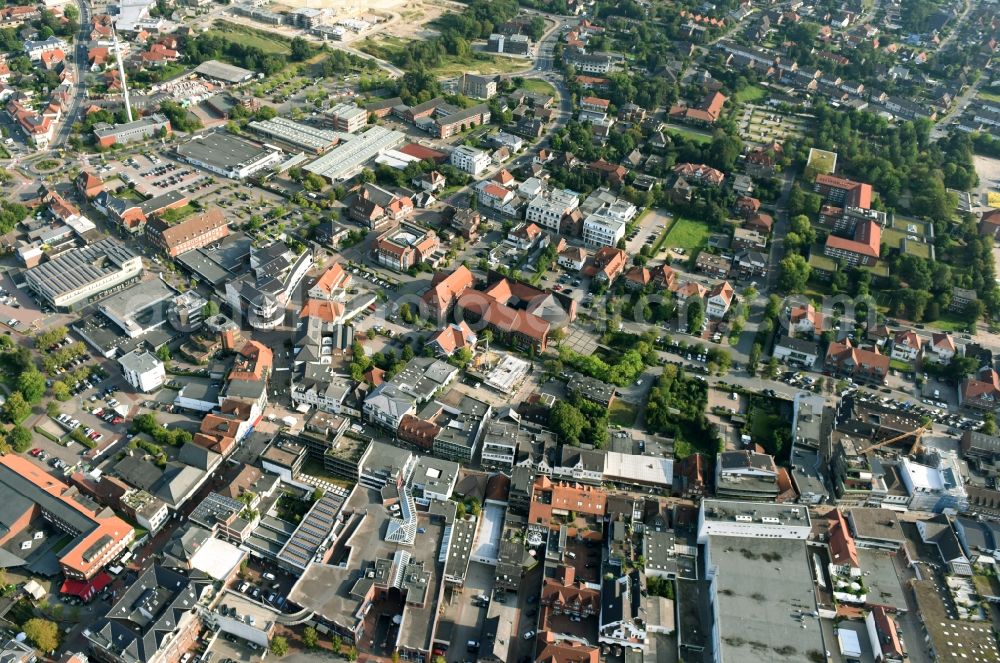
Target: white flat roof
[487,543]
[923,476]
[641,469]
[217,558]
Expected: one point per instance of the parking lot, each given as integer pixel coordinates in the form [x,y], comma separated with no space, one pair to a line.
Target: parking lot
[17,309]
[466,612]
[653,224]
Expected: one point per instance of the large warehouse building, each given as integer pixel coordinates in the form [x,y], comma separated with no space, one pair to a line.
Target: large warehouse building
[81,276]
[346,160]
[228,155]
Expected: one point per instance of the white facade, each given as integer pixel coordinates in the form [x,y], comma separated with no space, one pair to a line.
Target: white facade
[755,520]
[717,306]
[548,209]
[470,160]
[143,371]
[603,230]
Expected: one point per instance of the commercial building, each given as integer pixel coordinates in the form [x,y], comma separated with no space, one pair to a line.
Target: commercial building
[548,208]
[747,475]
[470,160]
[459,121]
[372,574]
[296,134]
[189,234]
[222,72]
[605,218]
[80,276]
[480,87]
[753,520]
[348,117]
[227,155]
[740,625]
[263,293]
[143,371]
[131,132]
[96,537]
[156,620]
[796,351]
[347,159]
[406,246]
[512,44]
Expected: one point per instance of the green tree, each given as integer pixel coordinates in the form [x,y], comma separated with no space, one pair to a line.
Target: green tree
[795,272]
[42,633]
[16,409]
[300,49]
[754,358]
[695,316]
[210,309]
[61,391]
[163,353]
[567,422]
[310,638]
[460,510]
[989,426]
[31,384]
[279,645]
[771,371]
[19,439]
[352,653]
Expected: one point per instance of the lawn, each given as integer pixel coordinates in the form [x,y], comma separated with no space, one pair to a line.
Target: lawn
[175,214]
[538,86]
[687,234]
[690,134]
[949,322]
[387,47]
[750,94]
[989,96]
[239,34]
[622,413]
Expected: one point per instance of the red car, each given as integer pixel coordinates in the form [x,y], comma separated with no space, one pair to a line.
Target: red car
[117,420]
[34,452]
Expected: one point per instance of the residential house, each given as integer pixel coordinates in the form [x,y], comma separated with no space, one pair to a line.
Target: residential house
[906,346]
[720,298]
[451,339]
[714,265]
[379,208]
[941,348]
[844,358]
[981,392]
[707,112]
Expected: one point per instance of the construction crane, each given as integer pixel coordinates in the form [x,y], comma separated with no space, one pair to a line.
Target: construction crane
[917,434]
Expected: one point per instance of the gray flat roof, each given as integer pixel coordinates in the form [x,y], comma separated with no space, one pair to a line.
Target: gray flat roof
[761,583]
[343,160]
[222,71]
[222,150]
[127,303]
[80,267]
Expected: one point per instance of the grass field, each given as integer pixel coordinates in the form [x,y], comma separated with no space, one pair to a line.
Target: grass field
[687,234]
[689,134]
[538,87]
[750,94]
[988,96]
[622,413]
[239,34]
[386,47]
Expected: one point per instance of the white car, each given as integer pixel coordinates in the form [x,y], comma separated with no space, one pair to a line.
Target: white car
[529,635]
